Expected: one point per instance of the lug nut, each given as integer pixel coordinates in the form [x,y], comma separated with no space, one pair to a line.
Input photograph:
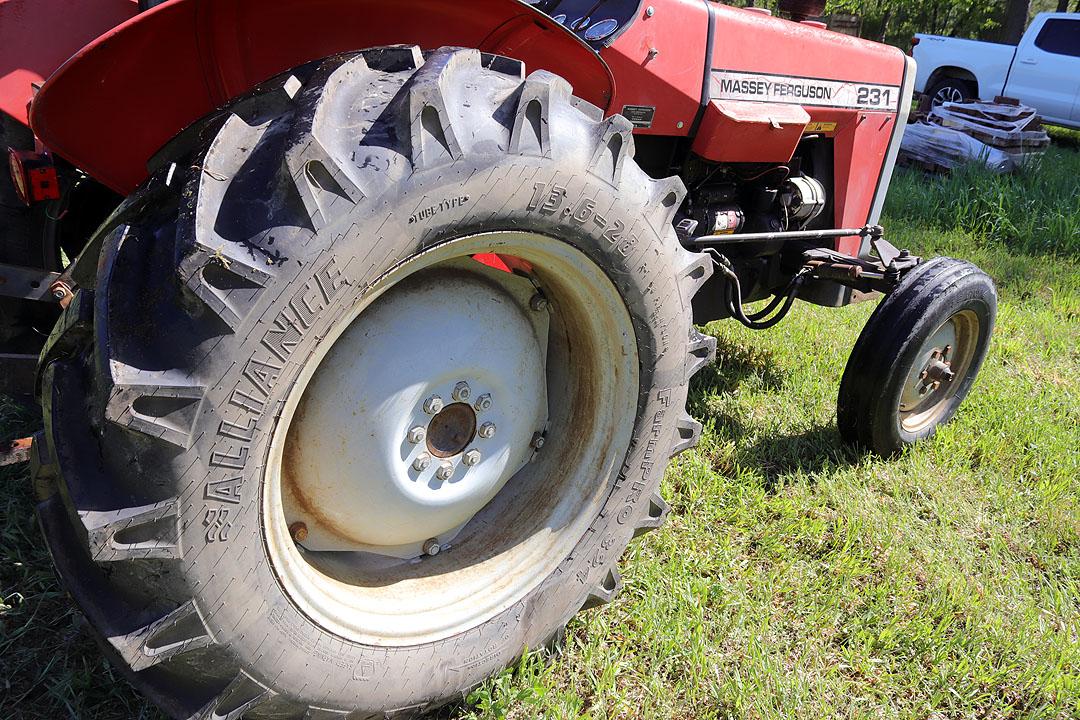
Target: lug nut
[59,290]
[421,463]
[537,441]
[432,547]
[487,430]
[445,471]
[299,531]
[471,457]
[417,434]
[433,405]
[483,402]
[462,391]
[538,302]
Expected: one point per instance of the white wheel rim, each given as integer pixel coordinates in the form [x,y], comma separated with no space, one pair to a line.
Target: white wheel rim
[505,517]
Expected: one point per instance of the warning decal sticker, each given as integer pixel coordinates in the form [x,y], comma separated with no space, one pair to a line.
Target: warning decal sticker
[761,87]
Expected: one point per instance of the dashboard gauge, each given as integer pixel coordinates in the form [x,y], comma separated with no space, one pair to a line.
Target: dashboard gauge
[560,18]
[601,30]
[580,23]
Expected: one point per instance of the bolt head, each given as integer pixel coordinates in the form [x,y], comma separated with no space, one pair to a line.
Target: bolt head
[537,441]
[471,457]
[650,11]
[421,463]
[299,531]
[538,302]
[487,430]
[417,435]
[462,391]
[433,405]
[432,547]
[445,471]
[483,402]
[58,294]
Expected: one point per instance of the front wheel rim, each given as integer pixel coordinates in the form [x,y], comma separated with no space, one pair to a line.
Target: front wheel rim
[941,365]
[412,590]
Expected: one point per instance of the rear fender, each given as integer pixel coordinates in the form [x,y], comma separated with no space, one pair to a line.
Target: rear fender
[122,97]
[37,36]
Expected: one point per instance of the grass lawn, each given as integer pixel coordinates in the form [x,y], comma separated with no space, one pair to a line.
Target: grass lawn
[794,578]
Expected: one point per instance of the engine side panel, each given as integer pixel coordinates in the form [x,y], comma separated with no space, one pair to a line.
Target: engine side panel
[853,90]
[121,98]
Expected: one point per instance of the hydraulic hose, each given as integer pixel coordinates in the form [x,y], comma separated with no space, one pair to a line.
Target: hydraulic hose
[733,296]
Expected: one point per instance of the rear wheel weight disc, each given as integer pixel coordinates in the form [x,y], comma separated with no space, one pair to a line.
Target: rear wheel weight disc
[360,595]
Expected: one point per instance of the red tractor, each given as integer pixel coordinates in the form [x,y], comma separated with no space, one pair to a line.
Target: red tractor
[378,323]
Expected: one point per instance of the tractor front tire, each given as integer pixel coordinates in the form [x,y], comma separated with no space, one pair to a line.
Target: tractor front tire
[380,375]
[917,357]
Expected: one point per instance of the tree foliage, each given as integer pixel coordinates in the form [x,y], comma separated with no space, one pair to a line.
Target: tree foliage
[896,21]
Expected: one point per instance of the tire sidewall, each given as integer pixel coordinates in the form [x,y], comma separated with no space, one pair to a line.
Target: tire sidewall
[968,294]
[223,543]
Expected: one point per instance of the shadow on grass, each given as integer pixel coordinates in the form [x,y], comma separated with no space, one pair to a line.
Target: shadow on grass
[735,365]
[809,452]
[774,456]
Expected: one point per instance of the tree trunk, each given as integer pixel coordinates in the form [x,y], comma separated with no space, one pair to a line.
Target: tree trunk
[1063,6]
[885,25]
[1016,17]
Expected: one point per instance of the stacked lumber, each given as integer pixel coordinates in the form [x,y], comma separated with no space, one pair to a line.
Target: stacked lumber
[1001,135]
[1007,126]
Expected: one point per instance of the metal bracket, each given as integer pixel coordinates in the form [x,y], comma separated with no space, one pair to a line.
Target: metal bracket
[882,275]
[27,283]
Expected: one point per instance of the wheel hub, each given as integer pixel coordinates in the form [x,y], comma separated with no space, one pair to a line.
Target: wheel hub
[386,453]
[451,431]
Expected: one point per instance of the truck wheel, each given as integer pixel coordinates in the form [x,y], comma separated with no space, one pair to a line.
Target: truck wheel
[380,376]
[917,357]
[952,90]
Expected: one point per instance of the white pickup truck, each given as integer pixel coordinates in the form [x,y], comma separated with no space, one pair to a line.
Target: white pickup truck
[1043,71]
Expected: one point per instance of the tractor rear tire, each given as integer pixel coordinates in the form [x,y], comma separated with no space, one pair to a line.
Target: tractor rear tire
[917,357]
[182,392]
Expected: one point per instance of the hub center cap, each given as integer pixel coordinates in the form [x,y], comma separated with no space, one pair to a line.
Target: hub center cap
[451,431]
